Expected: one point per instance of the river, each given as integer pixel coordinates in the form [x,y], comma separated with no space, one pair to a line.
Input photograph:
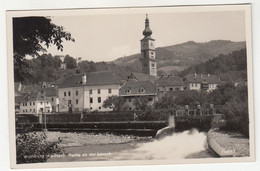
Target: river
[187,144]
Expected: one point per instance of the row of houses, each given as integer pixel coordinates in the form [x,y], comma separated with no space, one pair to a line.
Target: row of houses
[87,92]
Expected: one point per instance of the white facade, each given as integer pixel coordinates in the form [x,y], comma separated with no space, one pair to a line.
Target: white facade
[194,86]
[86,97]
[36,107]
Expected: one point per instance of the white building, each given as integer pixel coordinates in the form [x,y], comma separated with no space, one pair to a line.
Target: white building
[86,92]
[35,103]
[201,82]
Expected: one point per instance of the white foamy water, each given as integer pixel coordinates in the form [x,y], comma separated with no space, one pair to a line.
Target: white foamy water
[176,146]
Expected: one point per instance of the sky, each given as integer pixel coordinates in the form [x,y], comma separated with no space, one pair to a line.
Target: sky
[108,36]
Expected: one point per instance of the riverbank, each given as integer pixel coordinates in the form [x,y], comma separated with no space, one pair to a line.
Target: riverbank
[76,139]
[228,144]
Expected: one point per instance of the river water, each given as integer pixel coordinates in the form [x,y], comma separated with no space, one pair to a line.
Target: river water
[187,144]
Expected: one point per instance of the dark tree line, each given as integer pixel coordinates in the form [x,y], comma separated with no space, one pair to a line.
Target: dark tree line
[235,61]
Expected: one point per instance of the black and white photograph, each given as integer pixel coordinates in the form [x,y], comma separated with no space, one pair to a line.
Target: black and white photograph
[126,86]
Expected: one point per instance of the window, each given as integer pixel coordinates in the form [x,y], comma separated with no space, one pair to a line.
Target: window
[141,90]
[30,110]
[90,108]
[26,104]
[41,103]
[170,89]
[77,101]
[77,93]
[23,111]
[98,91]
[64,94]
[33,110]
[69,93]
[99,99]
[91,99]
[33,103]
[99,107]
[23,104]
[30,103]
[109,91]
[52,99]
[130,99]
[90,91]
[151,53]
[153,65]
[26,110]
[128,90]
[69,101]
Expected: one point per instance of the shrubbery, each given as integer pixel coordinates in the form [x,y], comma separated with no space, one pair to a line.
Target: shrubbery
[34,148]
[236,112]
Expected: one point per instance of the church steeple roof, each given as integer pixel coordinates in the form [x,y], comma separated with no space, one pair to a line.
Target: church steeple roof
[147,31]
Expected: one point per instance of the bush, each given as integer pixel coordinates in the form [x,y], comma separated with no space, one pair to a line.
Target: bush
[34,148]
[237,118]
[236,112]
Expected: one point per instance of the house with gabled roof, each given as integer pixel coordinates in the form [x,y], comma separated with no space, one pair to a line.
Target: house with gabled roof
[201,82]
[86,92]
[134,89]
[34,103]
[168,83]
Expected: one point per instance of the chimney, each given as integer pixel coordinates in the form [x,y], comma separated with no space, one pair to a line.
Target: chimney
[84,79]
[208,75]
[195,75]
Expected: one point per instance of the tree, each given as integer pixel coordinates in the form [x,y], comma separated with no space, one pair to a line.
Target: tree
[141,103]
[116,102]
[70,62]
[32,35]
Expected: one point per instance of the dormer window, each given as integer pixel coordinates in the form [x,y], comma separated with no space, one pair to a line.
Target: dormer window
[141,90]
[128,90]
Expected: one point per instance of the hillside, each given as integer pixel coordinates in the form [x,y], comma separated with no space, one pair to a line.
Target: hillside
[229,67]
[172,59]
[176,59]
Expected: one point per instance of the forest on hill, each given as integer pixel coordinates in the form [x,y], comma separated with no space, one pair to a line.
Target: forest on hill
[173,59]
[215,57]
[229,67]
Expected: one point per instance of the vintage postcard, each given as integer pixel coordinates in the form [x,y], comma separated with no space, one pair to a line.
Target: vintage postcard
[130,86]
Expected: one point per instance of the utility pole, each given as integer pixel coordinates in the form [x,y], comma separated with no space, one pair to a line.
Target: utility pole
[45,124]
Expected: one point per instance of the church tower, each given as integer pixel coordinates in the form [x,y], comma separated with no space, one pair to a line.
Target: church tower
[148,51]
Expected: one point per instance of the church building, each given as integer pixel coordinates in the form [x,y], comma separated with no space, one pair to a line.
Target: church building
[148,51]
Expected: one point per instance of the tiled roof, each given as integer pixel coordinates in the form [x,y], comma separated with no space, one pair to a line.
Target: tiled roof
[31,88]
[93,78]
[33,96]
[134,87]
[169,81]
[199,78]
[143,77]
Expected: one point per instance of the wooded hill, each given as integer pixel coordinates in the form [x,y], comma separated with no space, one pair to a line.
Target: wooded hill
[229,67]
[179,59]
[172,59]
